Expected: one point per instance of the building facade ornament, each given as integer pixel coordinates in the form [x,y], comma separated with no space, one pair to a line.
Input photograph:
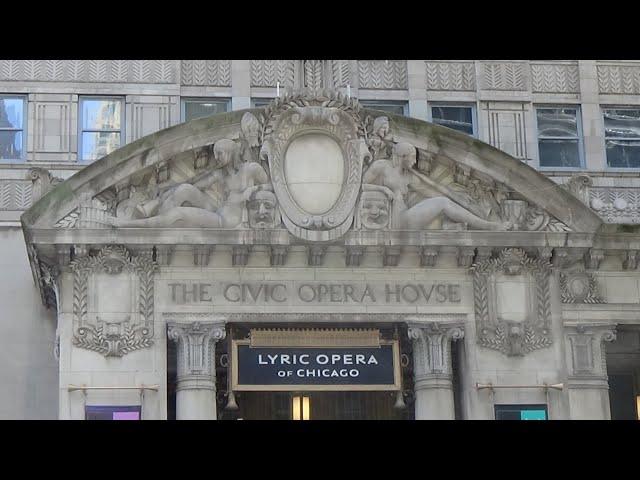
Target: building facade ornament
[579,287]
[509,336]
[587,350]
[432,347]
[113,338]
[196,348]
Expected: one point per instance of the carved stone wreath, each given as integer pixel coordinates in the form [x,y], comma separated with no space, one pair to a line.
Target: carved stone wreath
[579,287]
[113,339]
[341,127]
[507,336]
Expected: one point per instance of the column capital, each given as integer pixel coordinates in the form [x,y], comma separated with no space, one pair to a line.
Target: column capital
[586,352]
[196,347]
[432,348]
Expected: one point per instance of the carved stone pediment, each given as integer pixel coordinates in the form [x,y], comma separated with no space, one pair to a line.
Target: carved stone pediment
[315,157]
[518,274]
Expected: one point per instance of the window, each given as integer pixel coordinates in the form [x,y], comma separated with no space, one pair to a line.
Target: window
[559,137]
[260,102]
[399,108]
[101,127]
[457,117]
[622,137]
[193,108]
[521,412]
[12,125]
[112,412]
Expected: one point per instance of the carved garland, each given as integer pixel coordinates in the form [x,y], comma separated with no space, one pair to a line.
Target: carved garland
[511,337]
[579,287]
[126,337]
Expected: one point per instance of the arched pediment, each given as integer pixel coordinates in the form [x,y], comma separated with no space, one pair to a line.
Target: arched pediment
[211,173]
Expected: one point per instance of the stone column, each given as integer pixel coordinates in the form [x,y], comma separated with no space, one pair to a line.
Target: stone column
[432,369]
[587,382]
[196,386]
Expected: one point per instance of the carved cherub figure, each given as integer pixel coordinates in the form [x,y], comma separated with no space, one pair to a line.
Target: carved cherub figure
[394,174]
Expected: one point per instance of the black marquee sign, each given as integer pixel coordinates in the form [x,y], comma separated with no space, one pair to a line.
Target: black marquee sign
[297,368]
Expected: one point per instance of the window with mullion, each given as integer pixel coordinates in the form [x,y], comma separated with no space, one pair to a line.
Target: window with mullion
[559,137]
[101,127]
[193,108]
[622,137]
[12,127]
[456,117]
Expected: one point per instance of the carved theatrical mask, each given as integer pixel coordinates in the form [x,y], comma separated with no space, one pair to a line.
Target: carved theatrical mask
[375,210]
[263,210]
[315,156]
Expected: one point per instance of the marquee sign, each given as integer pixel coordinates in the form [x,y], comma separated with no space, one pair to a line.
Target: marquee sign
[281,368]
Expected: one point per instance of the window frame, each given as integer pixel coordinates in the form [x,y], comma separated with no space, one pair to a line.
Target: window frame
[81,130]
[580,136]
[474,116]
[185,100]
[267,99]
[604,137]
[25,115]
[400,103]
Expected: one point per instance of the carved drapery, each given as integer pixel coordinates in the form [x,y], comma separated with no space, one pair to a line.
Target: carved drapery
[196,347]
[508,336]
[432,347]
[113,338]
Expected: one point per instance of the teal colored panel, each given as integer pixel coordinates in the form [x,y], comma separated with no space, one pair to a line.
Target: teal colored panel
[533,415]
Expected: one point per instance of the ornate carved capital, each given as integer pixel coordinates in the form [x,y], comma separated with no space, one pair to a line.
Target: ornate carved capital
[240,255]
[630,260]
[586,348]
[202,254]
[432,347]
[315,255]
[465,256]
[278,255]
[391,256]
[196,347]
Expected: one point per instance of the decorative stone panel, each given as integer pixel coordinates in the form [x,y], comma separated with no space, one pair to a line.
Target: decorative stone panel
[555,77]
[98,330]
[103,71]
[267,73]
[52,127]
[455,76]
[619,78]
[579,287]
[507,127]
[314,74]
[616,204]
[508,335]
[341,73]
[382,74]
[215,73]
[15,194]
[504,76]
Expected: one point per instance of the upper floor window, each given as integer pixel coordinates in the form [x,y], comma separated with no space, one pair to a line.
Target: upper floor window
[457,117]
[622,137]
[559,137]
[101,126]
[260,102]
[12,126]
[391,106]
[193,108]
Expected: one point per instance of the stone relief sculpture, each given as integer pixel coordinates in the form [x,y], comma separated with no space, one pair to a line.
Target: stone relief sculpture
[315,162]
[393,174]
[189,204]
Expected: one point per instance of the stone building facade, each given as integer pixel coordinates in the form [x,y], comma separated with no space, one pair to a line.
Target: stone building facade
[150,247]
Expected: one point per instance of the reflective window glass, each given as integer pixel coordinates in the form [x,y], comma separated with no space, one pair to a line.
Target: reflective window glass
[101,127]
[456,117]
[12,127]
[203,108]
[559,143]
[622,137]
[399,108]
